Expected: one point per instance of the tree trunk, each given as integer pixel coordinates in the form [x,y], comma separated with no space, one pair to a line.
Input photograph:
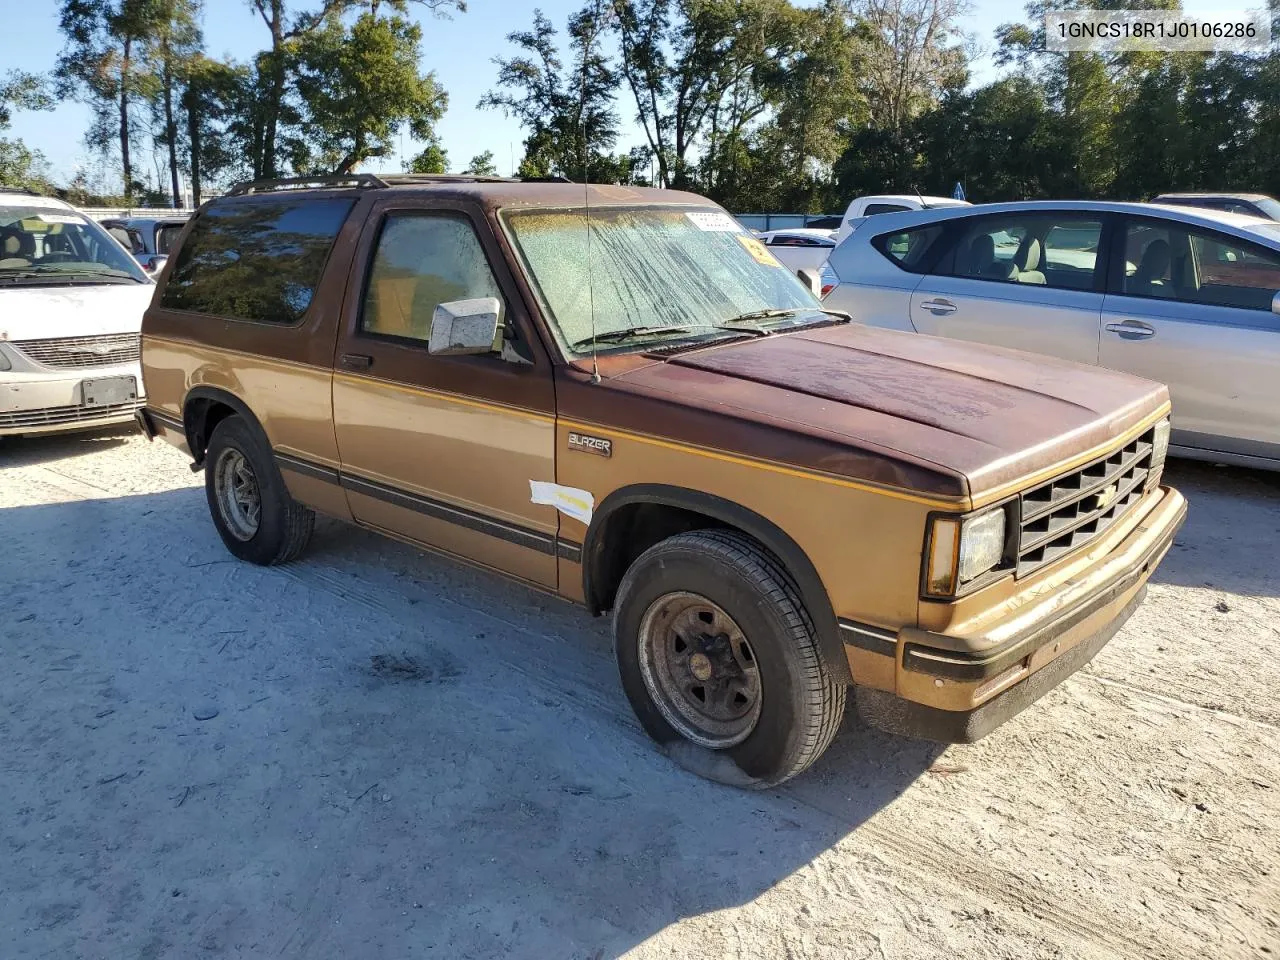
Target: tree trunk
[126,166]
[170,124]
[275,92]
[191,103]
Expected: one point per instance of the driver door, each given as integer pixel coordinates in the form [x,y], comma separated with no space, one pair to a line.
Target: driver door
[441,449]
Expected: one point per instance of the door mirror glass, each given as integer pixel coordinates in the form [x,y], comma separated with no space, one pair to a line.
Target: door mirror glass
[1275,303]
[811,279]
[461,327]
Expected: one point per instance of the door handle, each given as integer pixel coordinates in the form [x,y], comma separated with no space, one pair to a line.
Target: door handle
[939,306]
[1132,330]
[356,361]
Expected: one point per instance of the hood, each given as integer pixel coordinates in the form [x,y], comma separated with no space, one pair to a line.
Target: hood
[987,415]
[31,313]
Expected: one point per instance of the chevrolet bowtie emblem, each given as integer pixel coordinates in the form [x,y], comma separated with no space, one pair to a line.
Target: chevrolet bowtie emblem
[1106,495]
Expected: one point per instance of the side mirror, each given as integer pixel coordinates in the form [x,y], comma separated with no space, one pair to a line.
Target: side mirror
[811,279]
[462,327]
[1275,303]
[154,264]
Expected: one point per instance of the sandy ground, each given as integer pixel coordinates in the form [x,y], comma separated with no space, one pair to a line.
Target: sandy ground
[499,800]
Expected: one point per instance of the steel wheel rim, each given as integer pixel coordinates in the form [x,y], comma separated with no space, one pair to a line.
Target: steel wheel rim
[699,670]
[236,491]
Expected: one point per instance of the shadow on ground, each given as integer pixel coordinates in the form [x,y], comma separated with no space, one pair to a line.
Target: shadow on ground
[1230,538]
[25,451]
[205,756]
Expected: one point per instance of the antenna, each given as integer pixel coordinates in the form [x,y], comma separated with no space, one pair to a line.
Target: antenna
[920,197]
[586,204]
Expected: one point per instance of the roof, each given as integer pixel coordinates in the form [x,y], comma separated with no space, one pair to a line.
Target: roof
[1261,228]
[912,197]
[33,199]
[1213,195]
[492,192]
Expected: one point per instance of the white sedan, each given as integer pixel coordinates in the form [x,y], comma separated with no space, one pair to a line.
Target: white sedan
[1186,296]
[801,248]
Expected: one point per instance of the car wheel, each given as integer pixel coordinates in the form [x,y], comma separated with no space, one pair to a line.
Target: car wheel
[719,659]
[251,507]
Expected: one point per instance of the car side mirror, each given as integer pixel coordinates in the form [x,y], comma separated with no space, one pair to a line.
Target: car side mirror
[462,327]
[1275,303]
[155,264]
[811,279]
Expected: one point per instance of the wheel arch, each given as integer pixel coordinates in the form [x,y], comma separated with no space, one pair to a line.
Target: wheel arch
[604,561]
[203,408]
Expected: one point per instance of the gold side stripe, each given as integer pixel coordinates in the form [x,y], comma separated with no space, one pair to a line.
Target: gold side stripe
[260,358]
[443,395]
[775,467]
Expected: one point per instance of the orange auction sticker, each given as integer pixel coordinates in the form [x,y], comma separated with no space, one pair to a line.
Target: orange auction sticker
[758,250]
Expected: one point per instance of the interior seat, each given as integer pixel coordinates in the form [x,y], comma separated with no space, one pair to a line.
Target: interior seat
[1148,279]
[1028,262]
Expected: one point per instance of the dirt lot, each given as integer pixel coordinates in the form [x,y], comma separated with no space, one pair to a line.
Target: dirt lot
[377,753]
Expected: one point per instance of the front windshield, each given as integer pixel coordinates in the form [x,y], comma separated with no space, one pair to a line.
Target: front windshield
[650,267]
[46,245]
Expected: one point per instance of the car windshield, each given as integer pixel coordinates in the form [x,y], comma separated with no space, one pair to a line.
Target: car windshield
[47,245]
[689,269]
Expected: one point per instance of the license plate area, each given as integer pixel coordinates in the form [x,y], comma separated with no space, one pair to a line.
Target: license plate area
[108,391]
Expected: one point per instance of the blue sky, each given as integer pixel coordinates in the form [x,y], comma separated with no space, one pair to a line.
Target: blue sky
[460,51]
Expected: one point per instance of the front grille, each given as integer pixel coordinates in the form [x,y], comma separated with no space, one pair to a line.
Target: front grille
[68,353]
[50,416]
[1069,511]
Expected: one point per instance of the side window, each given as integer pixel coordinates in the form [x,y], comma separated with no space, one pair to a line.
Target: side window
[421,261]
[1058,251]
[165,235]
[874,208]
[121,234]
[258,260]
[1171,262]
[910,248]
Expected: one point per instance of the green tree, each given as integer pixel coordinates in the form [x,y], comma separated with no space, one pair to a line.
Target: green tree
[104,63]
[568,111]
[360,83]
[482,165]
[174,42]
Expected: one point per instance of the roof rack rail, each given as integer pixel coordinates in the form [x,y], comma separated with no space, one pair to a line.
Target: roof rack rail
[302,183]
[395,179]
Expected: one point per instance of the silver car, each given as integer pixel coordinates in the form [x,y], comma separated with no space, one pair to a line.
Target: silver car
[1176,294]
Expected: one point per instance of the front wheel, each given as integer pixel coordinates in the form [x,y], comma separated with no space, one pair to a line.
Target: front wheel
[719,660]
[251,508]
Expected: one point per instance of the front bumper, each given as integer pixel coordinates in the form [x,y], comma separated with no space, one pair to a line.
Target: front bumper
[33,403]
[958,689]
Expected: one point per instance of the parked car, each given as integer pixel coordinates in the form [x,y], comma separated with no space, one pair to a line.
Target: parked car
[862,207]
[71,304]
[147,238]
[656,418]
[1246,204]
[800,248]
[1182,295]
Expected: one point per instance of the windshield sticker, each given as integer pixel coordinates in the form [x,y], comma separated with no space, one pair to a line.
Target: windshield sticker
[759,252]
[713,222]
[570,501]
[57,218]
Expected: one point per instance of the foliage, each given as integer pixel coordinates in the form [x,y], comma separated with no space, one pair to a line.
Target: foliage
[358,83]
[482,165]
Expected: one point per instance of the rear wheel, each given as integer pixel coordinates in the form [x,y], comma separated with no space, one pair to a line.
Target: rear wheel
[719,660]
[251,508]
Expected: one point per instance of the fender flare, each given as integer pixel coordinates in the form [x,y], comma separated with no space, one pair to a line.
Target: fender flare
[224,397]
[793,559]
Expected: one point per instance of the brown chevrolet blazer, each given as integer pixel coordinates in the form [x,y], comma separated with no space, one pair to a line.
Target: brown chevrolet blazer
[617,395]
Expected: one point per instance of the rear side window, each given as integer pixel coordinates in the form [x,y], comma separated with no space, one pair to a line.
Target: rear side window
[909,249]
[257,261]
[874,208]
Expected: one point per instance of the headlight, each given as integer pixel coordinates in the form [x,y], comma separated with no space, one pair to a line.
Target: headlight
[962,551]
[1160,450]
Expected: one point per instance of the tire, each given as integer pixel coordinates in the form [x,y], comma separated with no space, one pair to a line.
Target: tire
[283,526]
[727,574]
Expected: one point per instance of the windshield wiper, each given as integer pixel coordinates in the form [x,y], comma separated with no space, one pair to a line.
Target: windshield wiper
[626,333]
[771,314]
[66,276]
